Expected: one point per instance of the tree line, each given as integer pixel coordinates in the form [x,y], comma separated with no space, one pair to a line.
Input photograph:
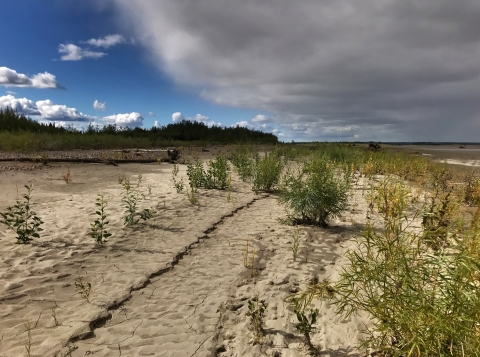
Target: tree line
[13,122]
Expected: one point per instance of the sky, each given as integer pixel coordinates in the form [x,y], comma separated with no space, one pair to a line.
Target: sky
[308,70]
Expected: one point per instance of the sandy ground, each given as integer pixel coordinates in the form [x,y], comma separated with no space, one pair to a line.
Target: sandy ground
[173,286]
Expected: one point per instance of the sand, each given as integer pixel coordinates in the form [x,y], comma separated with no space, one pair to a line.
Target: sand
[175,285]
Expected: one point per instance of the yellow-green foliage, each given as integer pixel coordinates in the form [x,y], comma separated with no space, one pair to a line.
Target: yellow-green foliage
[420,287]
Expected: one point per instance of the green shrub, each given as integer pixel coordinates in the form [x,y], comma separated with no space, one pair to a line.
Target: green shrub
[22,220]
[314,193]
[243,161]
[216,177]
[266,172]
[421,301]
[217,173]
[196,174]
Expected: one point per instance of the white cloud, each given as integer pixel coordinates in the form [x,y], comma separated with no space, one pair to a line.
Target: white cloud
[10,78]
[73,52]
[261,118]
[45,109]
[99,105]
[56,112]
[260,122]
[10,92]
[21,105]
[177,117]
[396,69]
[129,119]
[152,114]
[107,41]
[155,124]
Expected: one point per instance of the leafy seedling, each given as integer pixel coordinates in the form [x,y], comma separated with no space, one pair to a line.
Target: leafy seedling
[22,220]
[98,227]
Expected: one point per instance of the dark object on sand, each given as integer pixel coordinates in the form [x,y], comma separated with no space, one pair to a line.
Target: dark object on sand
[173,154]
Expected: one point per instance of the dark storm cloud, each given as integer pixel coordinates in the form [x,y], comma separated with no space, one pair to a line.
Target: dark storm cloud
[389,70]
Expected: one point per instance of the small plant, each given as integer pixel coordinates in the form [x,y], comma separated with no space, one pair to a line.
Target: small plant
[249,257]
[306,316]
[67,178]
[28,343]
[98,227]
[256,312]
[139,180]
[22,220]
[122,179]
[296,243]
[177,184]
[130,198]
[83,288]
[192,195]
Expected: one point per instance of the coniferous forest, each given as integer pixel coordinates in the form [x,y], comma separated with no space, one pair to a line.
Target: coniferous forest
[19,132]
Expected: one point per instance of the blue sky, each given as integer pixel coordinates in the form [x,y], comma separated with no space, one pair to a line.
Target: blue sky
[124,80]
[317,70]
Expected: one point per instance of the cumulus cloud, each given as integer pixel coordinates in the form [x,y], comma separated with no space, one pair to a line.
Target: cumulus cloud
[99,105]
[107,41]
[177,116]
[152,114]
[11,78]
[59,112]
[261,122]
[133,119]
[73,52]
[21,105]
[45,109]
[391,70]
[155,124]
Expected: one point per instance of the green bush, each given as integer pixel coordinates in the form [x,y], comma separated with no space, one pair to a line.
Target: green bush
[243,162]
[216,177]
[267,171]
[314,193]
[217,173]
[422,301]
[196,174]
